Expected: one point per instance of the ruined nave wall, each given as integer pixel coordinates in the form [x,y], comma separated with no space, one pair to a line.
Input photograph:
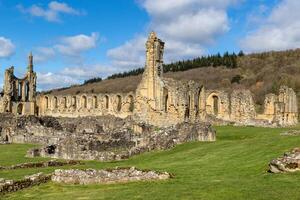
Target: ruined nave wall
[120,105]
[239,107]
[281,108]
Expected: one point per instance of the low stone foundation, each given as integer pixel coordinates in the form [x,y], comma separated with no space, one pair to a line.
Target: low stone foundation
[290,162]
[104,138]
[291,133]
[51,163]
[117,175]
[121,144]
[83,177]
[7,186]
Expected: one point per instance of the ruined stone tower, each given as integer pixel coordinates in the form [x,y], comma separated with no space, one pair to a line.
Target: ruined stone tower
[151,85]
[19,94]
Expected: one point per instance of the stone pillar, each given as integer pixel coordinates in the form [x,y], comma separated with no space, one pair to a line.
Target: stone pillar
[23,96]
[151,86]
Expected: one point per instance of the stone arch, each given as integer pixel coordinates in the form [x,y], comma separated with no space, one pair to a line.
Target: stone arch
[26,91]
[95,101]
[84,101]
[131,103]
[46,102]
[213,104]
[106,101]
[55,102]
[165,99]
[65,102]
[20,109]
[119,103]
[74,102]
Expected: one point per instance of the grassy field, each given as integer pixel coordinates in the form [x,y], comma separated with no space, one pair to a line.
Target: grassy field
[234,167]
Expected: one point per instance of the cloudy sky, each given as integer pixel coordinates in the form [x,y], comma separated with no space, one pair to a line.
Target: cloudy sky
[76,40]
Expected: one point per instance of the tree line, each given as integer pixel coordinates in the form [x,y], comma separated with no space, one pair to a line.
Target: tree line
[228,60]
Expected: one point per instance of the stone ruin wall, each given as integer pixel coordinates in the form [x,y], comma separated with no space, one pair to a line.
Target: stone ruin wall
[281,108]
[242,106]
[119,105]
[19,94]
[239,107]
[164,101]
[179,102]
[103,138]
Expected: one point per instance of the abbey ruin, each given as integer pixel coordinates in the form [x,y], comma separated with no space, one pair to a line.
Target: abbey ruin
[158,100]
[19,95]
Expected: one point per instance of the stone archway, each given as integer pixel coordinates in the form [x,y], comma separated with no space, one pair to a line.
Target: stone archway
[46,102]
[166,103]
[74,102]
[95,101]
[84,102]
[165,100]
[131,103]
[65,101]
[55,103]
[119,103]
[213,104]
[216,105]
[106,102]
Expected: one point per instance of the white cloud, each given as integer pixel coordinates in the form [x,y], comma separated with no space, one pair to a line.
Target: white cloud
[173,7]
[74,45]
[129,55]
[62,7]
[177,50]
[43,54]
[89,71]
[279,31]
[187,27]
[201,27]
[7,48]
[52,13]
[73,75]
[51,80]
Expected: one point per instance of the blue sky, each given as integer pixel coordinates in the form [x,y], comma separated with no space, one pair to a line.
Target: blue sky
[76,40]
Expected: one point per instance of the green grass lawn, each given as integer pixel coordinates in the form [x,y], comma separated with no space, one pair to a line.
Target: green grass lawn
[232,168]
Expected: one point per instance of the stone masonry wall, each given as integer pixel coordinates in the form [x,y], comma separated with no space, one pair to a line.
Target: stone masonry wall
[7,186]
[98,138]
[242,106]
[117,175]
